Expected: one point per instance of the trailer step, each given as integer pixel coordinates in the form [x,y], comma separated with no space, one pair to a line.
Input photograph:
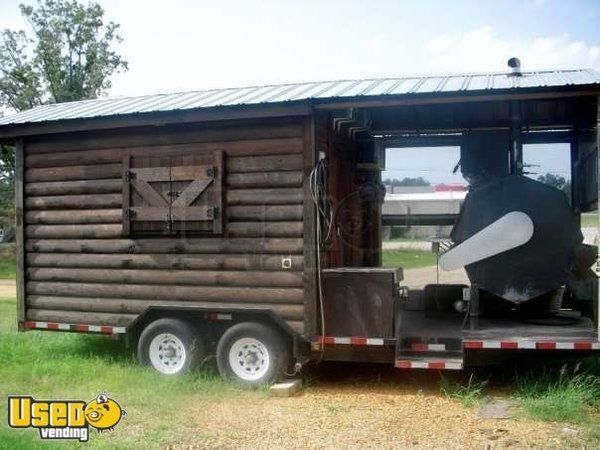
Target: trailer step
[429,363]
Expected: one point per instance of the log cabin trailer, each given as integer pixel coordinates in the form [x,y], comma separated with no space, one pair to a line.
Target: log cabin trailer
[246,223]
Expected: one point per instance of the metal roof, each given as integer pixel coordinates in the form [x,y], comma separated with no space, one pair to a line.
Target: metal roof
[294,92]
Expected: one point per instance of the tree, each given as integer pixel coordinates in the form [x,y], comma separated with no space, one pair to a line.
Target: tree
[67,55]
[419,181]
[556,181]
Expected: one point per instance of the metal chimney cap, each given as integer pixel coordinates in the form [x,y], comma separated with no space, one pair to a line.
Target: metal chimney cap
[514,66]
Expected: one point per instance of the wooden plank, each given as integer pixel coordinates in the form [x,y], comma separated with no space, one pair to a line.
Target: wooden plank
[250,133]
[278,196]
[188,173]
[264,180]
[149,214]
[156,292]
[265,212]
[74,201]
[191,193]
[150,174]
[164,261]
[265,229]
[77,317]
[19,230]
[167,245]
[60,217]
[126,215]
[95,172]
[56,156]
[192,213]
[264,163]
[169,277]
[134,306]
[310,239]
[96,231]
[110,186]
[148,193]
[218,192]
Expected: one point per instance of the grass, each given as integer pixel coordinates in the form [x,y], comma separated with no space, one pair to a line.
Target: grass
[568,394]
[74,366]
[469,393]
[8,270]
[408,259]
[589,220]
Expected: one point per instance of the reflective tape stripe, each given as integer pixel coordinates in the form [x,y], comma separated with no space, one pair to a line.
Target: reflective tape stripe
[358,341]
[429,364]
[424,347]
[104,329]
[532,345]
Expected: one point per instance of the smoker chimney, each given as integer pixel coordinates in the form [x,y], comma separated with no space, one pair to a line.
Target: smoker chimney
[514,67]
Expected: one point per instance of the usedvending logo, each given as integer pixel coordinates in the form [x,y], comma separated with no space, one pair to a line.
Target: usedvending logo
[64,419]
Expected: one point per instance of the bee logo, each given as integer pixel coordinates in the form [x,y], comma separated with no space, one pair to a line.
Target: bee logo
[103,413]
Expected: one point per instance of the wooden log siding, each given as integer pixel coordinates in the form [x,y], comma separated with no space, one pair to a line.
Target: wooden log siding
[80,268]
[188,261]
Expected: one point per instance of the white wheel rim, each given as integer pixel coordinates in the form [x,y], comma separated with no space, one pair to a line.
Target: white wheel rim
[167,353]
[249,359]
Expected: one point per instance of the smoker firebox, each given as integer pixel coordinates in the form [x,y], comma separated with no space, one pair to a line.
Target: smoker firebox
[360,301]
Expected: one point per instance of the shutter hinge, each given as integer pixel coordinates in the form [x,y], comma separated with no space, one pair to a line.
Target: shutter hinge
[131,213]
[211,172]
[130,175]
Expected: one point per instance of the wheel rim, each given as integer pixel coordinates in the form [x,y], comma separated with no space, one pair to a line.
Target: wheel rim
[167,353]
[249,359]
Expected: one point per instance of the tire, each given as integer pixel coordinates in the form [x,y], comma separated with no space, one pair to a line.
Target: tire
[170,346]
[252,354]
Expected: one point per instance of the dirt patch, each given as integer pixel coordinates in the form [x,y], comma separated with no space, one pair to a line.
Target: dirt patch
[8,288]
[365,413]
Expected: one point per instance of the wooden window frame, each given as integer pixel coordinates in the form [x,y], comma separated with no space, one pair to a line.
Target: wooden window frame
[179,207]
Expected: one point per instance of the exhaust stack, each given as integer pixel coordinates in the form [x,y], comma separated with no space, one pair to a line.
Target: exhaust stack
[514,67]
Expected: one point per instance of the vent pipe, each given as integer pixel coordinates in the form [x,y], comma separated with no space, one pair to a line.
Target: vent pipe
[514,67]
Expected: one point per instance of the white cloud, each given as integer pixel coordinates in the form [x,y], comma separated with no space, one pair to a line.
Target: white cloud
[482,49]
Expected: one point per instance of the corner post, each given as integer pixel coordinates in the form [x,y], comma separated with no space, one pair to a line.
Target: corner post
[19,234]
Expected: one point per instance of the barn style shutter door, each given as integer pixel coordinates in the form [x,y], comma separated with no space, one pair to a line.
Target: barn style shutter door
[173,198]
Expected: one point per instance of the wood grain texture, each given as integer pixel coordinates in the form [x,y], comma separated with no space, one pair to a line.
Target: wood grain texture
[135,306]
[95,231]
[164,261]
[167,245]
[80,265]
[169,277]
[154,292]
[19,229]
[65,217]
[74,201]
[110,186]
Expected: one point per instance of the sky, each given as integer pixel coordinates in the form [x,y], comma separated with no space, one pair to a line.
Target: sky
[180,45]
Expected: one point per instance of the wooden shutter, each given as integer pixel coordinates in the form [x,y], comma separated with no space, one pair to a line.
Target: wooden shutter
[173,195]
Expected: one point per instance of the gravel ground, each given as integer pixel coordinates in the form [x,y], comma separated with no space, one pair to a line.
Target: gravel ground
[402,410]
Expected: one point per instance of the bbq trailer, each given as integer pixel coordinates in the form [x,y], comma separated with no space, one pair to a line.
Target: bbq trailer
[246,223]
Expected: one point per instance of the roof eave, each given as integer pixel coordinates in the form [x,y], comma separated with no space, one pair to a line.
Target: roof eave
[287,109]
[157,118]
